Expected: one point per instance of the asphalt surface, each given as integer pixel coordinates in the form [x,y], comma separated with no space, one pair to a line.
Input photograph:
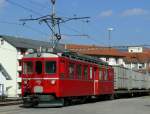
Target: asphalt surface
[140,105]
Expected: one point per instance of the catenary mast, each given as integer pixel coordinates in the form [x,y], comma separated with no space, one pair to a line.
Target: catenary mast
[53,22]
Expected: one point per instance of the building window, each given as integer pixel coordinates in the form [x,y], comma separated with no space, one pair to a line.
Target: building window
[2,41]
[107,59]
[116,59]
[141,66]
[19,62]
[19,85]
[20,73]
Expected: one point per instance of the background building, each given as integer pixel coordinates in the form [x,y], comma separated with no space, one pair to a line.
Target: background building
[110,55]
[138,59]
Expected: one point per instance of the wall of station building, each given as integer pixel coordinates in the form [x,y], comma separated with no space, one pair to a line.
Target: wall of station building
[9,59]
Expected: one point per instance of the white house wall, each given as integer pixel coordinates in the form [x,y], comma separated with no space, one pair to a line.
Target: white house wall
[2,84]
[114,61]
[135,49]
[8,58]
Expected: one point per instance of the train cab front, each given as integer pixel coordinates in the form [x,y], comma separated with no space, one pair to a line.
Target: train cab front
[39,80]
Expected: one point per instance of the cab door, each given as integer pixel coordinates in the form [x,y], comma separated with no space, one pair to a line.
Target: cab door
[95,75]
[38,76]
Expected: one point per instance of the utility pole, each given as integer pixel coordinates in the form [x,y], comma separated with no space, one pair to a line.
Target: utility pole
[109,36]
[53,22]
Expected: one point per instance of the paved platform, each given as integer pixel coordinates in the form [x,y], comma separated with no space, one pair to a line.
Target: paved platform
[138,105]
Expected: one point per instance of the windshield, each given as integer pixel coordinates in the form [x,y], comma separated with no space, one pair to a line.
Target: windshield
[50,67]
[28,67]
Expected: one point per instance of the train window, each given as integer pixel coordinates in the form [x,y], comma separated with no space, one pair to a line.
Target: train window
[38,67]
[109,73]
[50,67]
[71,70]
[62,68]
[106,75]
[27,67]
[91,72]
[85,72]
[95,72]
[100,74]
[79,71]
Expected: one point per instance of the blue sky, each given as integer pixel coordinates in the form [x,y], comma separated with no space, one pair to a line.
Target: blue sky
[129,18]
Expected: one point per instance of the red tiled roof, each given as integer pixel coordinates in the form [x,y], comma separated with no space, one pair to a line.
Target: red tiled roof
[105,51]
[137,57]
[95,50]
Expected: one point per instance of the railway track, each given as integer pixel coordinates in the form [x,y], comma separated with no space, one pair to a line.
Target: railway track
[10,102]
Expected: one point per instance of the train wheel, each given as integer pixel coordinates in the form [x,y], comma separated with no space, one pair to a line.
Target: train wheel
[27,104]
[35,103]
[111,97]
[65,102]
[83,100]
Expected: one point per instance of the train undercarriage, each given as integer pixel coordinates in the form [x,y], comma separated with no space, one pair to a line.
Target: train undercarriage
[36,100]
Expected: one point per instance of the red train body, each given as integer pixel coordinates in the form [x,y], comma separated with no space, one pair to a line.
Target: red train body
[64,77]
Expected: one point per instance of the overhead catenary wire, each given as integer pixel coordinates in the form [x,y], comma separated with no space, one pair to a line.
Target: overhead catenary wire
[25,26]
[23,7]
[41,32]
[37,13]
[79,34]
[36,3]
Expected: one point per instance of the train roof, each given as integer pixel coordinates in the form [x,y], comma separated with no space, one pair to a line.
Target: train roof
[57,52]
[83,57]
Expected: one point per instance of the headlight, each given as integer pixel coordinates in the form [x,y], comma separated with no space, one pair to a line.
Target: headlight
[53,82]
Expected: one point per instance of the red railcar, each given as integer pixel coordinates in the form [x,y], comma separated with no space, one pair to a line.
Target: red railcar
[63,77]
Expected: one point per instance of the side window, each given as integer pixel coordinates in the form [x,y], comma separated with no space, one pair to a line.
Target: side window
[71,70]
[62,69]
[111,73]
[100,74]
[91,72]
[79,71]
[86,72]
[106,74]
[95,72]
